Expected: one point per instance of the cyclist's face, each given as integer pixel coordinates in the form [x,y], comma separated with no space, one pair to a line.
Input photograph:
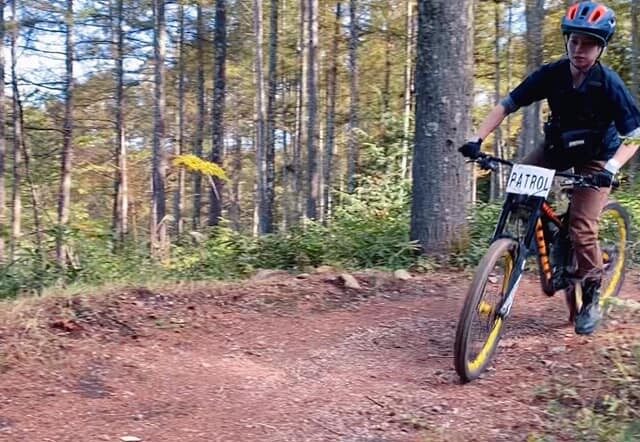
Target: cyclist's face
[583,50]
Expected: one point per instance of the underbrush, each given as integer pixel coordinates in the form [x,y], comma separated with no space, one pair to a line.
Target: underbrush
[599,403]
[371,230]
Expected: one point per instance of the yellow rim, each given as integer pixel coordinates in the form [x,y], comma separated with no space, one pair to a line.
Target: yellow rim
[619,266]
[483,356]
[485,308]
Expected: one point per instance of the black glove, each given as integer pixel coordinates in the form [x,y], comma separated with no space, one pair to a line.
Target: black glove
[602,179]
[471,149]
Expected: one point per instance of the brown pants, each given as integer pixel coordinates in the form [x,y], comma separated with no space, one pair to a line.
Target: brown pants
[586,207]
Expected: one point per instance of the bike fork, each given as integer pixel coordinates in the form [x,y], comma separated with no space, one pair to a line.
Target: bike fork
[512,287]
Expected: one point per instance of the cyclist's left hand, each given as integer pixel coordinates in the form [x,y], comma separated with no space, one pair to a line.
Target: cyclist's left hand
[602,179]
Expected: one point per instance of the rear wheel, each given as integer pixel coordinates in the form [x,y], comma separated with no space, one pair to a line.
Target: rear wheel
[480,326]
[613,234]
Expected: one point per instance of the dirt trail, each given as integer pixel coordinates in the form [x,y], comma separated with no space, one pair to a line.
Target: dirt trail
[285,359]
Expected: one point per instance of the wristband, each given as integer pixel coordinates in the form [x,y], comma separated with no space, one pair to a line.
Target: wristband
[612,166]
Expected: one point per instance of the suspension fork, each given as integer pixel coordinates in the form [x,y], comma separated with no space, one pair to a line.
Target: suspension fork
[514,282]
[526,246]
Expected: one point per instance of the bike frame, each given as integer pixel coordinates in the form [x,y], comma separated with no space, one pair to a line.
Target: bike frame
[533,242]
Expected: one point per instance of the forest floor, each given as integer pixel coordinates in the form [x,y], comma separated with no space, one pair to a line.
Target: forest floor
[296,359]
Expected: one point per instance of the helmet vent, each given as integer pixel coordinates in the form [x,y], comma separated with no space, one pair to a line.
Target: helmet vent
[584,11]
[597,14]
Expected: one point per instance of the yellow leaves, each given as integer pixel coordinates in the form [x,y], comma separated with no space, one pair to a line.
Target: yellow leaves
[194,164]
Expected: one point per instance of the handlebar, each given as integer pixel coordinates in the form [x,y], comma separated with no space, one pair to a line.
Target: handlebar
[489,162]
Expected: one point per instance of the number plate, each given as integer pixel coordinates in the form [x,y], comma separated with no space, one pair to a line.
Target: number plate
[530,180]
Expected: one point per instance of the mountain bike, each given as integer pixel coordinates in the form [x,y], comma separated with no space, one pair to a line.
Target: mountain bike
[528,226]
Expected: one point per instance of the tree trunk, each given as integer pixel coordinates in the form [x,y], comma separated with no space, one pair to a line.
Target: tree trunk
[635,73]
[496,182]
[235,210]
[532,135]
[16,199]
[332,84]
[508,57]
[635,48]
[199,132]
[444,89]
[288,135]
[313,175]
[121,182]
[301,115]
[388,49]
[178,203]
[261,159]
[270,194]
[352,143]
[158,223]
[35,203]
[408,51]
[218,108]
[3,146]
[64,198]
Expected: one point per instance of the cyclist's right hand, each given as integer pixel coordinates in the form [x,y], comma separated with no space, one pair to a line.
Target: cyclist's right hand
[471,149]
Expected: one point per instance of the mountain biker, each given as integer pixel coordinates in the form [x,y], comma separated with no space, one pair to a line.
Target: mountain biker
[594,126]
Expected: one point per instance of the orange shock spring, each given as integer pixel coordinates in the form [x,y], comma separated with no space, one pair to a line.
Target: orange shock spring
[547,211]
[542,249]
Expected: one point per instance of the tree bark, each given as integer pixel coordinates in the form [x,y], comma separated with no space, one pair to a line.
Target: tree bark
[301,116]
[635,48]
[496,182]
[352,143]
[200,119]
[270,193]
[178,202]
[16,189]
[313,175]
[408,56]
[332,85]
[121,182]
[532,135]
[235,209]
[444,89]
[218,108]
[261,127]
[64,198]
[388,49]
[3,145]
[158,222]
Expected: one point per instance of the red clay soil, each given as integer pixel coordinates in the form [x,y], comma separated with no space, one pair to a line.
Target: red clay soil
[285,359]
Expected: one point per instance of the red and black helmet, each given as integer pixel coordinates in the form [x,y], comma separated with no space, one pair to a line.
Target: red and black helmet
[590,18]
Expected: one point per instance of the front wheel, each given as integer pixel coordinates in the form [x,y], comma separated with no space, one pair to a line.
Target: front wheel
[480,326]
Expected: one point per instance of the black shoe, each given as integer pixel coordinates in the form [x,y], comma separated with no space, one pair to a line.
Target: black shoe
[590,315]
[588,319]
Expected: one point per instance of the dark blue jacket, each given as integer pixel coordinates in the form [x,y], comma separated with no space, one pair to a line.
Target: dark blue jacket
[601,102]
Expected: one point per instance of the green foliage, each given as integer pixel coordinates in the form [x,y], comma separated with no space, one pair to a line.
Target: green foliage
[197,165]
[482,223]
[371,230]
[95,262]
[612,415]
[628,197]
